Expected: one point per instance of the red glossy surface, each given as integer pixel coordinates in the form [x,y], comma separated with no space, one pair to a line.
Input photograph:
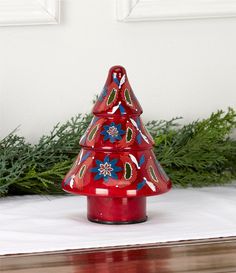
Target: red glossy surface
[116,210]
[116,159]
[140,183]
[131,129]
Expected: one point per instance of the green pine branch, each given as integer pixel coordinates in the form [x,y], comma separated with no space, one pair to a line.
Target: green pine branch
[200,153]
[26,168]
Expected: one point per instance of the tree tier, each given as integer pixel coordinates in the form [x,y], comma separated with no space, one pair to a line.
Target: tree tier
[117,133]
[117,97]
[129,174]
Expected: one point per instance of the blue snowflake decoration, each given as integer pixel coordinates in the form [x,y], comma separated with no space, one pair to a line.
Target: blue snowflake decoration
[112,132]
[106,169]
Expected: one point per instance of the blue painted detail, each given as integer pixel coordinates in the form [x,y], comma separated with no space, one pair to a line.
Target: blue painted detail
[116,80]
[138,123]
[139,138]
[122,110]
[67,181]
[106,169]
[112,132]
[85,157]
[142,160]
[141,185]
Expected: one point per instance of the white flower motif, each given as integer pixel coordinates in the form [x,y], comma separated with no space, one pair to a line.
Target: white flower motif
[112,131]
[105,169]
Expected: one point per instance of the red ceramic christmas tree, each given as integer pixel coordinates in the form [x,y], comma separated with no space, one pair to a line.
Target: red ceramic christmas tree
[116,167]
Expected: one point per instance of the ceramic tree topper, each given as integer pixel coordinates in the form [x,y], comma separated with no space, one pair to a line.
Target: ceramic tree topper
[116,168]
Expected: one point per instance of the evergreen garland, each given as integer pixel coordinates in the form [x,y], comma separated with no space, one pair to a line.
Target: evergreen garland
[198,154]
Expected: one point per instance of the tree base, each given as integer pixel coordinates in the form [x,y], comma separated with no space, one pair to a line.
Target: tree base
[118,210]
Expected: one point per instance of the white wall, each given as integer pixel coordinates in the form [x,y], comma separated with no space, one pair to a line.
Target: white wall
[50,73]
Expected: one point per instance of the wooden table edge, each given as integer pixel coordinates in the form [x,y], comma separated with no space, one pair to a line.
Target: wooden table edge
[180,243]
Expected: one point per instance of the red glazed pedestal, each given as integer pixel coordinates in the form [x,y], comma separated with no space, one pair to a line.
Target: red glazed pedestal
[116,168]
[116,210]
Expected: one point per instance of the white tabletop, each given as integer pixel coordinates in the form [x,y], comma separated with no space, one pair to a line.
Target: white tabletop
[46,223]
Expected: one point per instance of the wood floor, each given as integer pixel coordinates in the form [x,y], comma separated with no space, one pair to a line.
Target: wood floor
[208,256]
